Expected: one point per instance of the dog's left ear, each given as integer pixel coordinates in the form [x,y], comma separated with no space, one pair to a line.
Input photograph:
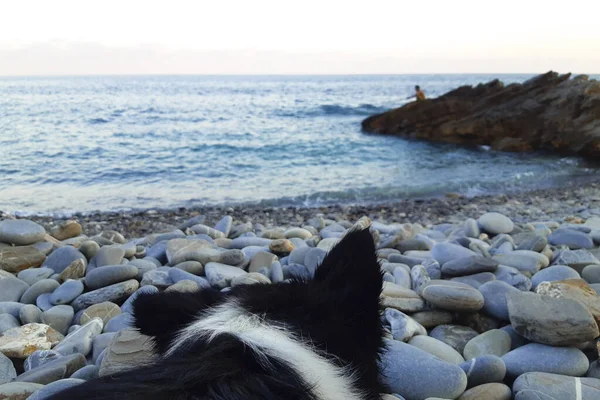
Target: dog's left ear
[351,267]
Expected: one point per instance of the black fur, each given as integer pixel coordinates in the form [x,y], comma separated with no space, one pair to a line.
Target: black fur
[338,312]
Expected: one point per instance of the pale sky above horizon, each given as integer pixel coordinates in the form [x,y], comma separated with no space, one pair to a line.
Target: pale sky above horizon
[61,37]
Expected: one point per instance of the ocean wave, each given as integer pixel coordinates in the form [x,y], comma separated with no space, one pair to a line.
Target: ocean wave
[334,110]
[98,121]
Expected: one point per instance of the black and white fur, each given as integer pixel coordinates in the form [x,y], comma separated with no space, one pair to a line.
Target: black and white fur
[300,340]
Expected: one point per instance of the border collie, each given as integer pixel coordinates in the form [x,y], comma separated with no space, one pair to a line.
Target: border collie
[301,340]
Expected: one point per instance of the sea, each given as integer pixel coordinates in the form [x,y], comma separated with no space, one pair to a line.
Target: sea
[122,143]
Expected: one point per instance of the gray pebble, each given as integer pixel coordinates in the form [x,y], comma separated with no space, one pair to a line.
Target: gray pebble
[484,369]
[30,314]
[7,370]
[86,373]
[47,391]
[33,275]
[494,294]
[11,289]
[536,357]
[67,292]
[553,273]
[7,322]
[62,257]
[43,302]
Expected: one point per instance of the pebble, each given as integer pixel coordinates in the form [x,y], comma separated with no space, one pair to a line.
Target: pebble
[89,248]
[21,232]
[86,373]
[484,369]
[402,277]
[16,259]
[495,223]
[47,391]
[159,278]
[177,275]
[7,322]
[513,277]
[400,298]
[493,342]
[437,348]
[475,280]
[576,259]
[570,238]
[127,348]
[444,252]
[75,270]
[418,276]
[11,307]
[120,322]
[103,276]
[453,296]
[22,341]
[526,261]
[575,289]
[494,294]
[67,292]
[54,369]
[402,327]
[18,390]
[43,302]
[250,278]
[533,243]
[488,391]
[220,275]
[469,266]
[432,318]
[80,341]
[105,311]
[39,358]
[547,386]
[37,289]
[109,255]
[62,257]
[536,357]
[433,377]
[455,336]
[33,275]
[591,274]
[547,320]
[114,293]
[7,370]
[11,289]
[554,273]
[59,318]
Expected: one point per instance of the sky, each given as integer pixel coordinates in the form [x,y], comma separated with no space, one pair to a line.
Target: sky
[66,37]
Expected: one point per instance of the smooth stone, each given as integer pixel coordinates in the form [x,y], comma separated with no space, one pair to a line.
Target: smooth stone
[86,373]
[591,274]
[177,275]
[281,246]
[573,239]
[445,252]
[298,255]
[402,277]
[536,357]
[7,322]
[224,225]
[180,250]
[525,261]
[120,322]
[475,280]
[220,275]
[418,276]
[30,314]
[576,259]
[37,289]
[158,252]
[574,289]
[495,223]
[328,243]
[453,296]
[314,258]
[547,320]
[114,293]
[484,369]
[54,369]
[184,286]
[250,278]
[21,232]
[488,391]
[516,340]
[455,336]
[62,257]
[545,386]
[241,242]
[103,276]
[433,377]
[402,326]
[105,311]
[80,341]
[39,358]
[207,230]
[127,306]
[109,255]
[494,342]
[130,249]
[18,390]
[402,259]
[276,274]
[7,370]
[513,277]
[59,318]
[198,219]
[400,298]
[11,307]
[437,348]
[469,266]
[594,370]
[89,248]
[128,348]
[75,270]
[554,273]
[16,259]
[101,342]
[43,302]
[67,292]
[22,341]
[53,388]
[300,271]
[33,275]
[143,269]
[533,243]
[432,318]
[167,236]
[413,244]
[494,294]
[297,233]
[11,289]
[193,267]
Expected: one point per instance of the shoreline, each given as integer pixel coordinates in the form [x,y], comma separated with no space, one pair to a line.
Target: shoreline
[577,200]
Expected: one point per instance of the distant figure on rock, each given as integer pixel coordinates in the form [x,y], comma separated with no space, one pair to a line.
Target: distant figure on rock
[418,94]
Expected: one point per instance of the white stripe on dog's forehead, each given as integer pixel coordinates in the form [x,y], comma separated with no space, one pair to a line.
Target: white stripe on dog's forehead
[329,381]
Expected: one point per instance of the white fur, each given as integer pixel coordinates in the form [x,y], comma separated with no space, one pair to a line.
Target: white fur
[329,381]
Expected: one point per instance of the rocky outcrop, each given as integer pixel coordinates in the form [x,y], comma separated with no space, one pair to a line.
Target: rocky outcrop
[549,111]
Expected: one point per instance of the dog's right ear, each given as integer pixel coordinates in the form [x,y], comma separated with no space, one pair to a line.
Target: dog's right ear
[162,315]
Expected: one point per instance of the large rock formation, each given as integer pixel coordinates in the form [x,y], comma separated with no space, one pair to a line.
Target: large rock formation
[549,111]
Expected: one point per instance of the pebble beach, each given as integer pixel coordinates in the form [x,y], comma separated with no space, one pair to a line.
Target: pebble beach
[493,297]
